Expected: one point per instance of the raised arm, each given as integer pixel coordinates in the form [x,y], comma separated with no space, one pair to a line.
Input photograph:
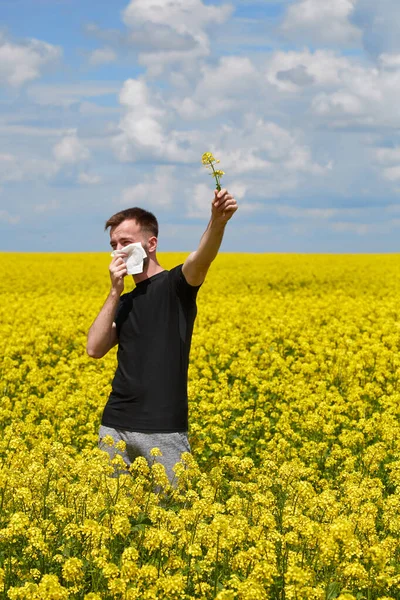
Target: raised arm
[197,263]
[102,334]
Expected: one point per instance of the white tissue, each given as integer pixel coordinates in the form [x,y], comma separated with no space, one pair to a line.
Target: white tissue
[133,256]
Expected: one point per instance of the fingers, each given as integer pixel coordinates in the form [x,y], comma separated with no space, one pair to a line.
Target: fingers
[230,209]
[224,205]
[117,263]
[222,196]
[118,267]
[120,272]
[228,203]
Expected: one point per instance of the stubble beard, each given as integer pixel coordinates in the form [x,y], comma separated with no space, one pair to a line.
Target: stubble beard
[146,261]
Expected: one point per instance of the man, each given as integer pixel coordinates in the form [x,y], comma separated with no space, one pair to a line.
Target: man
[152,325]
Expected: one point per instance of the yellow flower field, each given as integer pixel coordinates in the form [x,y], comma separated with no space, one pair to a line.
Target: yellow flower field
[293,488]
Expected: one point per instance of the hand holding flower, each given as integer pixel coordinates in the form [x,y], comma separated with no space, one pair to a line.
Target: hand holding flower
[223,207]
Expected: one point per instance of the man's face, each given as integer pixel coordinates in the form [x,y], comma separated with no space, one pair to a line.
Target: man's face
[128,232]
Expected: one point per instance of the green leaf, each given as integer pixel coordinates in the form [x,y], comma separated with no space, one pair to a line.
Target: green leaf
[333,590]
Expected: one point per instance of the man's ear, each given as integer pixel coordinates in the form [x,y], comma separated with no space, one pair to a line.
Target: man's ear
[152,243]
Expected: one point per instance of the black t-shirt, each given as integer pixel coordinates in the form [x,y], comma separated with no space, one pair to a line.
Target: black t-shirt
[154,327]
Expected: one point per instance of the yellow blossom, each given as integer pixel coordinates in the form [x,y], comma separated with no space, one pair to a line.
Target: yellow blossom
[155,452]
[72,570]
[293,484]
[208,161]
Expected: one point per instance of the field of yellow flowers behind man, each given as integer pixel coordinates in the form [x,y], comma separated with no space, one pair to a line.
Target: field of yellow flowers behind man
[293,488]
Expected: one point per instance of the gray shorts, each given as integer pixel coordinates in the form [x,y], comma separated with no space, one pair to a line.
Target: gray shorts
[172,445]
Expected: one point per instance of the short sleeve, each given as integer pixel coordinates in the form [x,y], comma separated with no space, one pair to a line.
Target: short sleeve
[186,292]
[124,306]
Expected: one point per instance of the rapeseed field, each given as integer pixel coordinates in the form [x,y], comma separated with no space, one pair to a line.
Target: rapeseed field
[293,488]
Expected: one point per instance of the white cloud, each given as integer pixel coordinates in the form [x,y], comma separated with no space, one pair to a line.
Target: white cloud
[337,104]
[262,146]
[388,163]
[135,96]
[322,21]
[392,173]
[268,114]
[158,189]
[199,204]
[261,160]
[142,129]
[389,61]
[102,56]
[89,179]
[290,71]
[371,99]
[24,62]
[70,150]
[21,168]
[388,156]
[181,15]
[220,88]
[343,92]
[9,218]
[175,30]
[198,199]
[237,188]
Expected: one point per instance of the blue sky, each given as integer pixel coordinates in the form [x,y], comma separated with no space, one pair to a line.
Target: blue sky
[106,105]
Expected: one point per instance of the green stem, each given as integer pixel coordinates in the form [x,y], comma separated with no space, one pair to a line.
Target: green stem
[216,177]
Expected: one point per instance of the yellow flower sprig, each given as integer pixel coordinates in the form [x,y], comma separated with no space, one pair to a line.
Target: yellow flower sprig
[208,161]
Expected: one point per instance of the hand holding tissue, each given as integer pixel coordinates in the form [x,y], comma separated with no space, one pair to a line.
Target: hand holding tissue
[133,256]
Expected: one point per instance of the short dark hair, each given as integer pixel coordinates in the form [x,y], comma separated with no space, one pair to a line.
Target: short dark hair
[144,218]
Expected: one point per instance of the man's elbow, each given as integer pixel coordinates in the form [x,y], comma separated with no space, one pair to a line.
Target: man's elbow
[94,352]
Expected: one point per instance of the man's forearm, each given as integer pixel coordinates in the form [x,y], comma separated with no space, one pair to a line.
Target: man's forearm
[197,263]
[210,243]
[102,335]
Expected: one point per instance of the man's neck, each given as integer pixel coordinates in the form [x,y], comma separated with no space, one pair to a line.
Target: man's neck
[152,268]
